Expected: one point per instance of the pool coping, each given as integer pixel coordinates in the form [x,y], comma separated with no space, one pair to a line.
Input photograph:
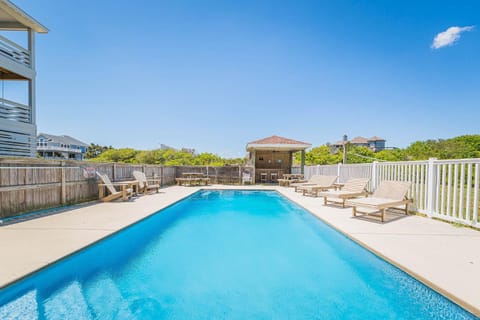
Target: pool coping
[178,194]
[12,281]
[453,298]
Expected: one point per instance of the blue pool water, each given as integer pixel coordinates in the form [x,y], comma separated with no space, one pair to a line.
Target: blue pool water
[225,255]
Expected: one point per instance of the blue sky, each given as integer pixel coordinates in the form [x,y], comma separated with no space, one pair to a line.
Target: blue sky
[214,75]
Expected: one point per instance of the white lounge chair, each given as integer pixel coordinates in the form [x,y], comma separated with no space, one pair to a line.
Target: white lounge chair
[353,188]
[125,193]
[143,184]
[322,183]
[389,194]
[315,180]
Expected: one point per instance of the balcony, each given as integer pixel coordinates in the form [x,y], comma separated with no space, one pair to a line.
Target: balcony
[14,111]
[15,52]
[58,149]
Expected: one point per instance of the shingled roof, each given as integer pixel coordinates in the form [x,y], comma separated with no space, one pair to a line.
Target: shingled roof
[359,140]
[376,138]
[277,143]
[64,139]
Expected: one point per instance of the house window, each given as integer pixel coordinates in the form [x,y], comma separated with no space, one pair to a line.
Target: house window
[260,158]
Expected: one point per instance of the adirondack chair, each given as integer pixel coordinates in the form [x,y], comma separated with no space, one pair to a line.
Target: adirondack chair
[125,192]
[143,184]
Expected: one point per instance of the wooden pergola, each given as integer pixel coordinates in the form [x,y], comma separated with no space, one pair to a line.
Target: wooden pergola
[272,157]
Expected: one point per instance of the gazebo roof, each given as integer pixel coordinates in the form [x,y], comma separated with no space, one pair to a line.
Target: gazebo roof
[276,143]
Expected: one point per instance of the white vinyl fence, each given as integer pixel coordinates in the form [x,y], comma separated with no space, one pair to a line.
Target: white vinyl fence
[443,189]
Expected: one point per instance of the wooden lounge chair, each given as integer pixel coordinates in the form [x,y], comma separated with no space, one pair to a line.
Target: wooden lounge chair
[125,193]
[289,178]
[143,184]
[389,194]
[353,188]
[322,183]
[313,181]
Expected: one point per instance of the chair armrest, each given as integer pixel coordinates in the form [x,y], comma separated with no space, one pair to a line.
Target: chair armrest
[113,184]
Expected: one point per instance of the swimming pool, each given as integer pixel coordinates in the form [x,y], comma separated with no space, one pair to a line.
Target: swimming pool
[228,255]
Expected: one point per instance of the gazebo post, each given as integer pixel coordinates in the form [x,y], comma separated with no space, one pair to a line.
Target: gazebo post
[302,165]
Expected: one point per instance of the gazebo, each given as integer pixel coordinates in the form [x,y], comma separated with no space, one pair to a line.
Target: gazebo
[272,157]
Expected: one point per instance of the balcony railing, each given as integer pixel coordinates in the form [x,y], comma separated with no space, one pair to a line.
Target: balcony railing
[14,111]
[14,52]
[58,149]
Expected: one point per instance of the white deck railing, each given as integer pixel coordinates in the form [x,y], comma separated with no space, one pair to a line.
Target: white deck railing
[59,149]
[14,111]
[443,189]
[14,52]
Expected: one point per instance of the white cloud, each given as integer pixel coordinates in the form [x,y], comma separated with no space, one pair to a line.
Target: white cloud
[449,36]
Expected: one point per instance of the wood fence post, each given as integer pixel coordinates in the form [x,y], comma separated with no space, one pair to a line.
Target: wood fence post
[114,169]
[430,186]
[161,177]
[63,182]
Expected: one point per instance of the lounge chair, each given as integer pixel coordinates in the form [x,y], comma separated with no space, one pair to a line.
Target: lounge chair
[313,181]
[322,183]
[389,194]
[353,188]
[125,192]
[143,184]
[285,182]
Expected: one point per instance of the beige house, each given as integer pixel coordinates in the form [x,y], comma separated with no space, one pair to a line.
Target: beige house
[18,130]
[375,143]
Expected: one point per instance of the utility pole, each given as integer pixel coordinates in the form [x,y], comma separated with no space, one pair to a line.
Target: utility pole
[345,138]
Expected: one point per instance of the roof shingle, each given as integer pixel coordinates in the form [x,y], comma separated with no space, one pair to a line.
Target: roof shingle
[278,140]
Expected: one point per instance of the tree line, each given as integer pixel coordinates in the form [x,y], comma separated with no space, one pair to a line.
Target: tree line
[167,157]
[461,147]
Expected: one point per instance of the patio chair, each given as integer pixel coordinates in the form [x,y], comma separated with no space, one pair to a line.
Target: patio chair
[315,179]
[143,184]
[263,177]
[389,194]
[273,177]
[353,188]
[125,193]
[322,183]
[247,178]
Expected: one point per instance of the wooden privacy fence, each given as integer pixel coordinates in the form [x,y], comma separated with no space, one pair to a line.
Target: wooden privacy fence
[443,189]
[30,184]
[217,175]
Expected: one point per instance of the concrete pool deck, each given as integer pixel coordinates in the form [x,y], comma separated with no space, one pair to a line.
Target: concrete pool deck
[445,257]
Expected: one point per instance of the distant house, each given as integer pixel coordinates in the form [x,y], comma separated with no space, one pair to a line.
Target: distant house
[65,147]
[374,143]
[187,150]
